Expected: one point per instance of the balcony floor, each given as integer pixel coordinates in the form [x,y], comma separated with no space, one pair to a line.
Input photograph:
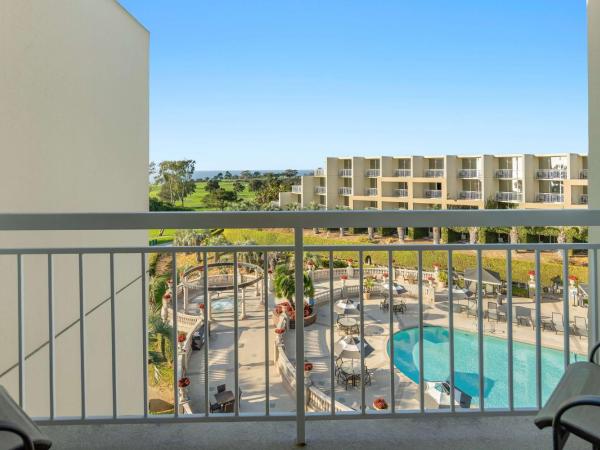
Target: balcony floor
[422,433]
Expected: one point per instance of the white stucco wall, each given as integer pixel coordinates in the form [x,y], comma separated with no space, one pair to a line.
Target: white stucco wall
[593,10]
[73,138]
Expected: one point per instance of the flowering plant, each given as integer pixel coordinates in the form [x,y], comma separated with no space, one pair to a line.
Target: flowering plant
[573,278]
[201,306]
[344,277]
[385,274]
[167,296]
[430,278]
[531,273]
[183,382]
[181,338]
[380,403]
[279,331]
[308,367]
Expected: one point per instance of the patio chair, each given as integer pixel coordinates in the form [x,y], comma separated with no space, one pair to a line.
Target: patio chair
[17,430]
[221,388]
[580,327]
[558,323]
[492,312]
[215,407]
[523,316]
[399,306]
[384,305]
[574,406]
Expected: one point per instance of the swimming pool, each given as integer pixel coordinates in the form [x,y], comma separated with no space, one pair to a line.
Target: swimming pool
[466,364]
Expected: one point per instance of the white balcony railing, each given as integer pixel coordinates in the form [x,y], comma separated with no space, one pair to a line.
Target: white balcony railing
[470,195]
[345,172]
[434,173]
[320,172]
[551,174]
[469,173]
[402,172]
[371,192]
[320,190]
[400,192]
[112,329]
[345,191]
[509,196]
[546,197]
[583,174]
[433,193]
[372,173]
[506,173]
[297,189]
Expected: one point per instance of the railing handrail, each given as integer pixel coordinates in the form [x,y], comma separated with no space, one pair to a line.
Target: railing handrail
[293,219]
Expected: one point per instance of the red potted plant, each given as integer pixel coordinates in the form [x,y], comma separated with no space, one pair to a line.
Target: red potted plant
[183,382]
[380,403]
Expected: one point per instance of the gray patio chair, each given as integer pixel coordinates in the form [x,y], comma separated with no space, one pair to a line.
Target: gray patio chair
[558,323]
[523,316]
[492,311]
[17,430]
[580,327]
[574,406]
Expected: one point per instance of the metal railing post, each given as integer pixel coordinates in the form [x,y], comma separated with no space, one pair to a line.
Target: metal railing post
[299,278]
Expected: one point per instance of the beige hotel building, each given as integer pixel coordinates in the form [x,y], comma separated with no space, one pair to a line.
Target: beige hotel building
[445,182]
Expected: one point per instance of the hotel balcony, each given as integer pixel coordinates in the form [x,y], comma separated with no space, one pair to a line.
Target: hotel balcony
[345,173]
[402,173]
[400,192]
[434,173]
[297,189]
[371,192]
[547,197]
[550,174]
[469,195]
[433,193]
[494,367]
[583,174]
[373,173]
[320,172]
[345,191]
[320,190]
[507,174]
[509,197]
[469,173]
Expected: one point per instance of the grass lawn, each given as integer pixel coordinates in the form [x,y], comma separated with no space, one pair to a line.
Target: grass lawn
[194,200]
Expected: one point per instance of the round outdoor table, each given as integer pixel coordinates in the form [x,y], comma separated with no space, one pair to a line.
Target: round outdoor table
[347,321]
[350,367]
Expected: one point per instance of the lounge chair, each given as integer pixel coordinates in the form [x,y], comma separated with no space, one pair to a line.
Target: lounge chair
[215,407]
[221,388]
[523,316]
[580,327]
[558,323]
[492,312]
[574,406]
[17,430]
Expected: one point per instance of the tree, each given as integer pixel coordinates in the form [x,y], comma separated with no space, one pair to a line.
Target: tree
[152,171]
[219,198]
[228,175]
[256,185]
[290,173]
[238,186]
[285,284]
[212,185]
[175,179]
[246,174]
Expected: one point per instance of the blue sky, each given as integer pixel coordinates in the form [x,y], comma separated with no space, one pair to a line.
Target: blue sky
[275,84]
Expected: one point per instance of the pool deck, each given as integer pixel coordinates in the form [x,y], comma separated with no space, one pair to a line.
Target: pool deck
[318,348]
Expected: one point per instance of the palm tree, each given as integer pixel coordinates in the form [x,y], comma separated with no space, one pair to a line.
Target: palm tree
[473,235]
[370,233]
[314,206]
[514,235]
[160,335]
[342,207]
[285,284]
[401,232]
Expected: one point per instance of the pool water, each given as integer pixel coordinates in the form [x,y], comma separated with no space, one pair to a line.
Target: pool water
[466,365]
[222,305]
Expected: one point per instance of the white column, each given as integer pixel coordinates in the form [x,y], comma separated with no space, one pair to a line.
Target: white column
[593,11]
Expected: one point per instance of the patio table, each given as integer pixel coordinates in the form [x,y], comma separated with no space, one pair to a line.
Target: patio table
[348,324]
